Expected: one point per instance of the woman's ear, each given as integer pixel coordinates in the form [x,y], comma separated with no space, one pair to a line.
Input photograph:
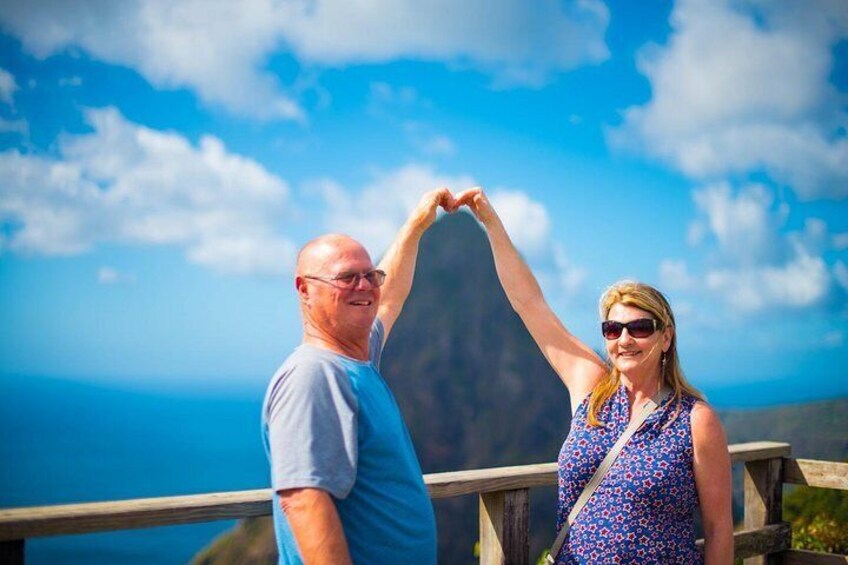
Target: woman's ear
[668,335]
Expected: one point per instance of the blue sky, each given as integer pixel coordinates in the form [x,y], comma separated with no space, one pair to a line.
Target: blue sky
[161,162]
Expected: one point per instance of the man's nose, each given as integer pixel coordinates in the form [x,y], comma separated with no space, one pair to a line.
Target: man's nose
[362,282]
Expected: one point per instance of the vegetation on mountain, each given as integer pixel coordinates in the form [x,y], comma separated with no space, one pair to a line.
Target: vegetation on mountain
[819,519]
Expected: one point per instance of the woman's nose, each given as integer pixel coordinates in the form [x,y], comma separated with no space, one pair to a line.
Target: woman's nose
[625,336]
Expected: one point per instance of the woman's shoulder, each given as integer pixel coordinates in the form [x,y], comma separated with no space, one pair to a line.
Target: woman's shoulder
[706,424]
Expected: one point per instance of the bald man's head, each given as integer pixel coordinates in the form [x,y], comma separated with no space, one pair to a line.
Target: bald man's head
[326,305]
[317,253]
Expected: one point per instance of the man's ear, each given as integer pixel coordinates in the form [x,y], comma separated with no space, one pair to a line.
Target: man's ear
[302,289]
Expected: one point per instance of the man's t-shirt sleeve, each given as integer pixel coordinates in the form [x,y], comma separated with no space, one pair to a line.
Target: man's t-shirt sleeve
[312,423]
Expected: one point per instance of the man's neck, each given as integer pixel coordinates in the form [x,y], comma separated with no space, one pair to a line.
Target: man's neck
[355,346]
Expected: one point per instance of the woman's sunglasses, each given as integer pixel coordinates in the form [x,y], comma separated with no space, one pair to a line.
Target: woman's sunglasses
[643,327]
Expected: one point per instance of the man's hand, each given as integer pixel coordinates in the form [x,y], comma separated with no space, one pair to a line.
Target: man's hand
[424,214]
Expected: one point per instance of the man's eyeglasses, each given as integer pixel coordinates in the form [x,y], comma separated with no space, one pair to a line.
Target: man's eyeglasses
[643,327]
[348,281]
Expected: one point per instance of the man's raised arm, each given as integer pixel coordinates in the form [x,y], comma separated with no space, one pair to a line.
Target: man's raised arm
[399,261]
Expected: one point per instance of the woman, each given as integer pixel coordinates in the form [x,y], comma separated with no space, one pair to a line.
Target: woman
[642,512]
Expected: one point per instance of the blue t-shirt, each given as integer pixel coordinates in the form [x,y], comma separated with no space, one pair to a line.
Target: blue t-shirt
[331,422]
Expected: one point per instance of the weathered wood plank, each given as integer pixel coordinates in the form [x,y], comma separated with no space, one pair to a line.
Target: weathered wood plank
[750,543]
[804,557]
[763,500]
[504,527]
[21,523]
[12,552]
[824,474]
[757,451]
[457,483]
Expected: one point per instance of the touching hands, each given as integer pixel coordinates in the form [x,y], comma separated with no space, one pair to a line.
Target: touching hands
[477,202]
[425,212]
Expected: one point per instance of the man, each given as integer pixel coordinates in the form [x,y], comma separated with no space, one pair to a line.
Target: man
[347,483]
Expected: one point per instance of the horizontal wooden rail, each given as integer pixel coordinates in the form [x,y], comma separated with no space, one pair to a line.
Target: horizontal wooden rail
[22,523]
[768,539]
[757,451]
[804,557]
[37,521]
[824,474]
[457,483]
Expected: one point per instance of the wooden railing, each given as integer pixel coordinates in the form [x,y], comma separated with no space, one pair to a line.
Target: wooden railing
[503,492]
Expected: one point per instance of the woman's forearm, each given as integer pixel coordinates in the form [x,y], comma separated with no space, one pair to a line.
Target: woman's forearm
[517,280]
[718,549]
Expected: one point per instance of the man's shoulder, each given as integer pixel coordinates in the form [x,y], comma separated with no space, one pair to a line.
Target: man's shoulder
[308,365]
[307,376]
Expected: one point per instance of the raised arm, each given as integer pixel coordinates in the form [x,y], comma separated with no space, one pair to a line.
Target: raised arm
[399,261]
[575,363]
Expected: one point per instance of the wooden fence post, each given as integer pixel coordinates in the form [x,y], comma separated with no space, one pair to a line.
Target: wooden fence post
[764,501]
[12,552]
[504,527]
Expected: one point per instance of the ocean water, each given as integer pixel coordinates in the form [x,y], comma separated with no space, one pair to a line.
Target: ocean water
[65,442]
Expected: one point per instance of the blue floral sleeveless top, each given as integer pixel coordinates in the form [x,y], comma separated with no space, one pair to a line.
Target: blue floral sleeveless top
[642,512]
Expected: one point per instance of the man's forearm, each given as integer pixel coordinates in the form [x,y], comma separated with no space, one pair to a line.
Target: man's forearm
[399,263]
[316,526]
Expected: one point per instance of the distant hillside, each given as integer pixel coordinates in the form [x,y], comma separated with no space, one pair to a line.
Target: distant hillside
[476,392]
[816,430]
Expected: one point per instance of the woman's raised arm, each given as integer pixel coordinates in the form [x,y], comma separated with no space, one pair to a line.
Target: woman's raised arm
[577,365]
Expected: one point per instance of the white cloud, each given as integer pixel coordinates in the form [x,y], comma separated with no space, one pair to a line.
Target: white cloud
[802,282]
[383,96]
[754,266]
[840,241]
[570,277]
[220,49]
[129,184]
[217,49]
[424,138]
[112,276]
[743,86]
[840,273]
[71,81]
[8,86]
[834,339]
[20,126]
[745,225]
[525,219]
[675,274]
[553,36]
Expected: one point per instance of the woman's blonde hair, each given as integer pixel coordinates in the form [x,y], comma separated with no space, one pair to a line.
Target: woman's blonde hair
[649,299]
